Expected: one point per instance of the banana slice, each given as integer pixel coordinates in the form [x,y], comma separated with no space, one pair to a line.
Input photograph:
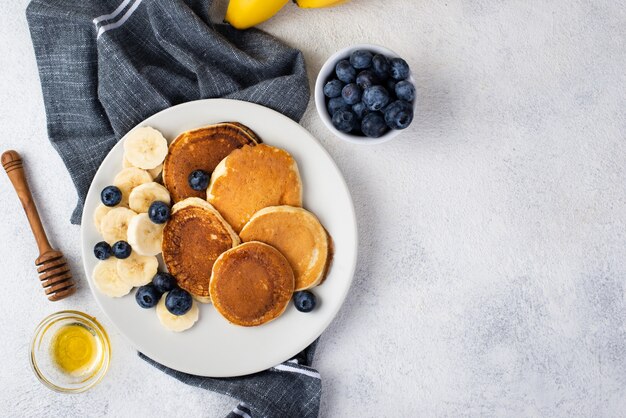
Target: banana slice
[145,147]
[126,163]
[99,213]
[154,172]
[129,178]
[137,270]
[144,235]
[114,225]
[142,196]
[107,281]
[177,323]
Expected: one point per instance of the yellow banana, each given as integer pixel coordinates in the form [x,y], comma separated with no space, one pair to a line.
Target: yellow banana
[243,14]
[316,4]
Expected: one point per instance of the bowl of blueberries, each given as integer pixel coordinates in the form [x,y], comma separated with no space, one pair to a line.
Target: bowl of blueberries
[365,94]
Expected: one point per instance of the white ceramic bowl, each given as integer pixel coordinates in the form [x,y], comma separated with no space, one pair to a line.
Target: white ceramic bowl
[320,100]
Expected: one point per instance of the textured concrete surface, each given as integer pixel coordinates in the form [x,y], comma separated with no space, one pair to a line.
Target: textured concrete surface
[491,279]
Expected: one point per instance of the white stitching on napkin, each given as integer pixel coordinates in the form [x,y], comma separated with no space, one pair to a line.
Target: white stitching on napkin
[111,15]
[286,368]
[122,20]
[241,413]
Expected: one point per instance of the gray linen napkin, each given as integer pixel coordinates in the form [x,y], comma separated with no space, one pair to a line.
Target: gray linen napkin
[106,65]
[290,389]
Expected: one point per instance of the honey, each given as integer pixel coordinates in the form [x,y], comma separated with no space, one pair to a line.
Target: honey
[75,350]
[70,351]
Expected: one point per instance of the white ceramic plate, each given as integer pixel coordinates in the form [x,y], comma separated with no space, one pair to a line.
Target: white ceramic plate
[213,347]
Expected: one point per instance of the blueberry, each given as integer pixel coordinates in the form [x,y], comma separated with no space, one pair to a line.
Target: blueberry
[351,93]
[102,250]
[361,59]
[391,85]
[345,72]
[333,88]
[198,180]
[399,69]
[405,91]
[373,125]
[147,296]
[376,97]
[366,79]
[360,110]
[344,120]
[304,301]
[159,212]
[336,104]
[121,249]
[164,282]
[380,66]
[399,114]
[111,196]
[178,301]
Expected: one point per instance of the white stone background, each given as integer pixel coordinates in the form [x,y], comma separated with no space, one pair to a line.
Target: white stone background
[491,275]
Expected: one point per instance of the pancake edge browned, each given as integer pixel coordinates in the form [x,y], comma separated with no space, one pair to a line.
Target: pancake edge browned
[247,130]
[203,204]
[247,133]
[272,314]
[268,211]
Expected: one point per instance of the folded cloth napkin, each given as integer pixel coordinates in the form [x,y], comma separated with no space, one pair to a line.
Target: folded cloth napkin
[289,390]
[106,65]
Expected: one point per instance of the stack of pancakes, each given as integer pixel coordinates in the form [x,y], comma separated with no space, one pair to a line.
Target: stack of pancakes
[254,197]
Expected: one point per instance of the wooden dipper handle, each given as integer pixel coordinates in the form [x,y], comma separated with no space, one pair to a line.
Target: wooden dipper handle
[53,270]
[12,163]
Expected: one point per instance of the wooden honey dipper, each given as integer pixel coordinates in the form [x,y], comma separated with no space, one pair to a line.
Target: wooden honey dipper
[52,267]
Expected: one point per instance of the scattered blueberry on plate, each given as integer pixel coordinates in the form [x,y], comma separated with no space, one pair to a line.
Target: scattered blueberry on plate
[164,282]
[102,250]
[111,196]
[178,301]
[304,301]
[121,249]
[199,180]
[369,94]
[147,296]
[159,212]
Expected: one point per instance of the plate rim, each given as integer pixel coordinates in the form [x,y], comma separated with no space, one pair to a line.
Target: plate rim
[352,212]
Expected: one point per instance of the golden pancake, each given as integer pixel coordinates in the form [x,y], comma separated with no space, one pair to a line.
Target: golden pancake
[193,238]
[201,149]
[253,178]
[298,235]
[251,284]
